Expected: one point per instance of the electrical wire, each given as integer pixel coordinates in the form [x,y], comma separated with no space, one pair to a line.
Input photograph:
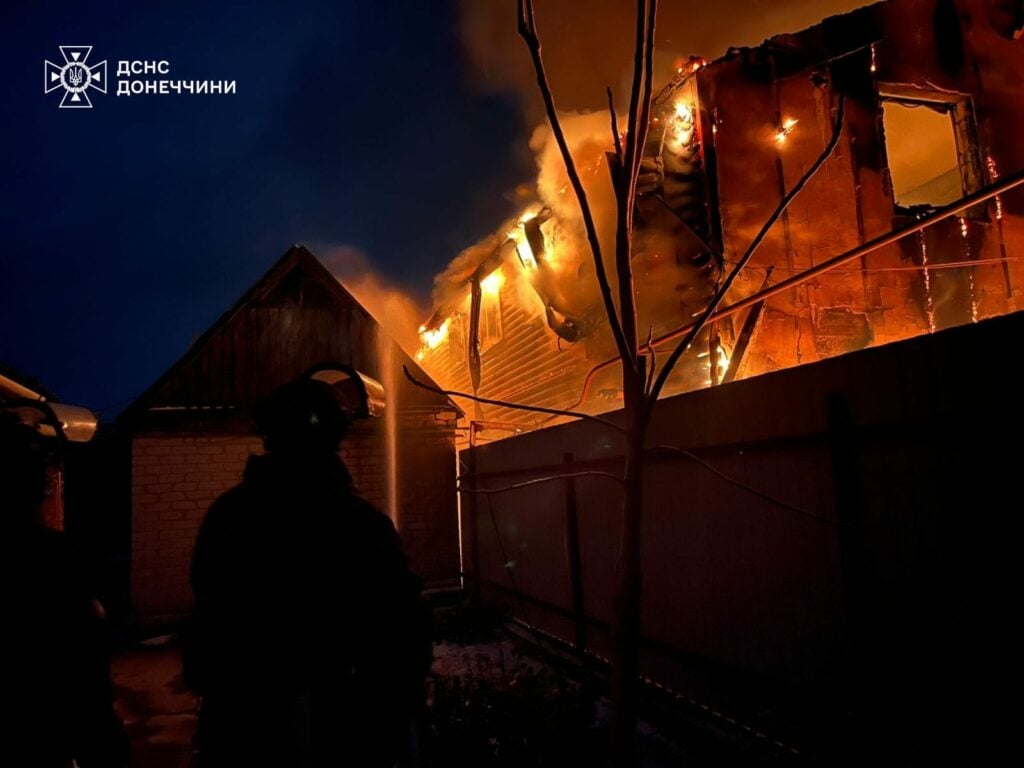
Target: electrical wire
[750,489]
[539,480]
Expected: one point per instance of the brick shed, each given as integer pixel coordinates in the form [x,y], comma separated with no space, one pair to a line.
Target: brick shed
[191,433]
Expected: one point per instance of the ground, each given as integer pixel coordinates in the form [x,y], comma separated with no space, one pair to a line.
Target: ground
[158,712]
[497,701]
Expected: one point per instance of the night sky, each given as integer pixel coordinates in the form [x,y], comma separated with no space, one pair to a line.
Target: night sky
[393,130]
[129,228]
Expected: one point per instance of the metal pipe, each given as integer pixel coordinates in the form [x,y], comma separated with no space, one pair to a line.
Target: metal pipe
[17,390]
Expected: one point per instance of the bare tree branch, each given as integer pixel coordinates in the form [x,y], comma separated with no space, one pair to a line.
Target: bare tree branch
[683,345]
[652,366]
[528,31]
[626,621]
[636,139]
[539,480]
[615,127]
[506,404]
[644,119]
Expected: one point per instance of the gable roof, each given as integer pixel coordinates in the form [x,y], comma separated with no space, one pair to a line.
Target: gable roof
[297,315]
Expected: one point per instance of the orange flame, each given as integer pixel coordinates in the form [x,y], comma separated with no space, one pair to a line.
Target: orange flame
[679,133]
[433,338]
[785,129]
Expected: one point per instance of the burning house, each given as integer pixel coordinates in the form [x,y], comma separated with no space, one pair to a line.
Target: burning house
[828,545]
[928,95]
[191,432]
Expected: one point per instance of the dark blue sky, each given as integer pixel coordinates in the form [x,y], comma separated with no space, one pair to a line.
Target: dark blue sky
[129,228]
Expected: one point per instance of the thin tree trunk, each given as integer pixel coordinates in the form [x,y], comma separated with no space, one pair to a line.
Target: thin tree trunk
[626,627]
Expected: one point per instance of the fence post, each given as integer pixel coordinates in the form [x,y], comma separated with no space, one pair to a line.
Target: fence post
[572,544]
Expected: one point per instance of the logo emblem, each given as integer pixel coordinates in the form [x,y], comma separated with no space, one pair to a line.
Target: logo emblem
[75,76]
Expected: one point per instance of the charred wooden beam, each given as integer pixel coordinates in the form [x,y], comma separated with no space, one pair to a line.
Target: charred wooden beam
[746,334]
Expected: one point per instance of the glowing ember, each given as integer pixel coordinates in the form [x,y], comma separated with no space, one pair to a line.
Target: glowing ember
[928,301]
[874,61]
[993,173]
[785,129]
[692,65]
[970,272]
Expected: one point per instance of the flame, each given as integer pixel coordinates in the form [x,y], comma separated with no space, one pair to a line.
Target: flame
[528,215]
[690,66]
[491,285]
[525,252]
[523,249]
[432,339]
[785,129]
[723,360]
[993,173]
[679,133]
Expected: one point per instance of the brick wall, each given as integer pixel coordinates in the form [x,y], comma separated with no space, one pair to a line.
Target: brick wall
[364,454]
[53,504]
[175,478]
[428,515]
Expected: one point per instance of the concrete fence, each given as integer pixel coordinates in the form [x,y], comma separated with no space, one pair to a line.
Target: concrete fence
[843,539]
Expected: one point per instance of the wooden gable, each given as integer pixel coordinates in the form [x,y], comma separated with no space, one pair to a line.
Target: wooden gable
[296,316]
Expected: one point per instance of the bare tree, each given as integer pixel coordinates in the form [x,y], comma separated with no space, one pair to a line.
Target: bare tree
[642,382]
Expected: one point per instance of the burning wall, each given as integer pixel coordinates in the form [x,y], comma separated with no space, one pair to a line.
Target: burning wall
[892,55]
[518,316]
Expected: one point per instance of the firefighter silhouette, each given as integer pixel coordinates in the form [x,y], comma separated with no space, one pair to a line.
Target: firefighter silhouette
[308,643]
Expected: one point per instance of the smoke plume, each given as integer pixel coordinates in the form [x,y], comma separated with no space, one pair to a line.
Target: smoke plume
[397,311]
[588,46]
